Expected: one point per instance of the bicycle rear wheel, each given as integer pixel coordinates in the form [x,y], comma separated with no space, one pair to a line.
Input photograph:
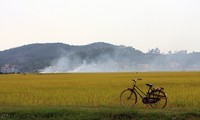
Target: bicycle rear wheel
[160,99]
[128,98]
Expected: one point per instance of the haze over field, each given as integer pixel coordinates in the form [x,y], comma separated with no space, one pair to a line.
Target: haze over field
[96,57]
[122,59]
[133,29]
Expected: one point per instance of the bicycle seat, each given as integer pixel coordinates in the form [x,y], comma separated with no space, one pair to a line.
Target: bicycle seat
[150,85]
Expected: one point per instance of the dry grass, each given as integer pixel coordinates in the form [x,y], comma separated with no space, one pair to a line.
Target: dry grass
[95,89]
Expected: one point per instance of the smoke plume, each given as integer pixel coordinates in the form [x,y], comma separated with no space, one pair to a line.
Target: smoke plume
[109,58]
[102,64]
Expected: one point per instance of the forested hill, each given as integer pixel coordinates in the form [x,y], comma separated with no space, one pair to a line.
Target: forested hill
[96,57]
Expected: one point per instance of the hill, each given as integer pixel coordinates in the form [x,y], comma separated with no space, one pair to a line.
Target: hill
[95,57]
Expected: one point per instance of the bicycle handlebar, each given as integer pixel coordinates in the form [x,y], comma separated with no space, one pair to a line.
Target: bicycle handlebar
[136,79]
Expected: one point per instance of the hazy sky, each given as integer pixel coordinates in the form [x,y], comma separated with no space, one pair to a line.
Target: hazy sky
[143,24]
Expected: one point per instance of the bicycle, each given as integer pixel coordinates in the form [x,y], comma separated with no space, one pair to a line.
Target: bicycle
[155,97]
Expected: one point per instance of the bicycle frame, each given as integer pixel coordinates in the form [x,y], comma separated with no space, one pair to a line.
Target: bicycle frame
[140,92]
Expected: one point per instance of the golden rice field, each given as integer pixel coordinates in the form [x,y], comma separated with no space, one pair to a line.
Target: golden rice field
[95,89]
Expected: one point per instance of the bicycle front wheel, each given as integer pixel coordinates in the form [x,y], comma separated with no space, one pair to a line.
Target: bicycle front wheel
[128,98]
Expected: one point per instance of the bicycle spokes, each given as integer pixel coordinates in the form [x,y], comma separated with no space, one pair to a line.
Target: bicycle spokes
[128,98]
[159,99]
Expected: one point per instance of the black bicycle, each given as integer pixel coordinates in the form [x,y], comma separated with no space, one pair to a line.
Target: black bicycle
[155,97]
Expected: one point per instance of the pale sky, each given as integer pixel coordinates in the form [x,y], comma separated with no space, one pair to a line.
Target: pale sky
[170,25]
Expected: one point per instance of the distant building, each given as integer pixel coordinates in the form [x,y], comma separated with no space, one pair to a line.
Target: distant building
[7,68]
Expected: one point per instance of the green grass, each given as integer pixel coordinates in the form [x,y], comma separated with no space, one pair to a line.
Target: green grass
[76,113]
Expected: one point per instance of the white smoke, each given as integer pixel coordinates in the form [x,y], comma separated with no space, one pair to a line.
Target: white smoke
[120,60]
[103,64]
[58,66]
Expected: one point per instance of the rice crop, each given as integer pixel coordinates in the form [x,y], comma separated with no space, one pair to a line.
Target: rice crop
[95,89]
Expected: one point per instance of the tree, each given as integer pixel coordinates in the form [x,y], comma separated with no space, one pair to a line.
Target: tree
[154,51]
